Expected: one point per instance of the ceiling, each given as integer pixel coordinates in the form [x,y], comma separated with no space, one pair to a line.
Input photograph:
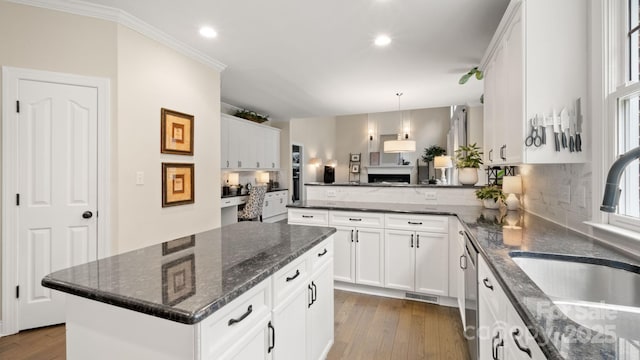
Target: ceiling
[301,58]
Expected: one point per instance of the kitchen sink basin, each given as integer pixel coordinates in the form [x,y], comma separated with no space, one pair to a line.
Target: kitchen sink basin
[601,295]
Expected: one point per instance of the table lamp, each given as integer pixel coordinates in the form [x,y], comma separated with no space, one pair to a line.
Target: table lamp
[234,179]
[443,163]
[512,185]
[264,177]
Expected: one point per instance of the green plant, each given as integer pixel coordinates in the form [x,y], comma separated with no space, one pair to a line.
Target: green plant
[478,73]
[431,152]
[490,192]
[469,156]
[251,115]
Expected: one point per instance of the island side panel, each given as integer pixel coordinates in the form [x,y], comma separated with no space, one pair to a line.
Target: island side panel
[99,331]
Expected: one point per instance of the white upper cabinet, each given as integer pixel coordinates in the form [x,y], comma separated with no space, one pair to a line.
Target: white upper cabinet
[535,64]
[247,145]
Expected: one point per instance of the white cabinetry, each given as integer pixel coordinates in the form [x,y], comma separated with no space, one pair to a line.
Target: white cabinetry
[523,80]
[359,250]
[417,260]
[274,206]
[247,145]
[311,217]
[503,335]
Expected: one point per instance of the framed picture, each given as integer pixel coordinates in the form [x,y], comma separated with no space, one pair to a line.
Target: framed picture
[355,168]
[173,246]
[176,133]
[177,184]
[355,157]
[374,158]
[178,280]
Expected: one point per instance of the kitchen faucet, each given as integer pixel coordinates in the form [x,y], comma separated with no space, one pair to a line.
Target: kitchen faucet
[612,188]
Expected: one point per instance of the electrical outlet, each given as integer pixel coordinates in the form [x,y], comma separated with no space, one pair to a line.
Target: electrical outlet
[140,178]
[565,194]
[331,193]
[431,195]
[581,197]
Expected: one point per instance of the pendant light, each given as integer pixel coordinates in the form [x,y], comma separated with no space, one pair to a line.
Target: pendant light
[401,144]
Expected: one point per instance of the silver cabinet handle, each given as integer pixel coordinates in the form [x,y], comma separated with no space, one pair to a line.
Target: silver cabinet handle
[463,256]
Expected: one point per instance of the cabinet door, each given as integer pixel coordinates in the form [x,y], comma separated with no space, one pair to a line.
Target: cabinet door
[253,345]
[268,206]
[432,263]
[463,262]
[369,256]
[489,114]
[290,326]
[271,148]
[514,91]
[499,107]
[225,163]
[399,259]
[344,254]
[238,151]
[320,320]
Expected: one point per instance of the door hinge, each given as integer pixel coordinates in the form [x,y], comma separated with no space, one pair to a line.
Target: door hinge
[17,106]
[17,199]
[18,292]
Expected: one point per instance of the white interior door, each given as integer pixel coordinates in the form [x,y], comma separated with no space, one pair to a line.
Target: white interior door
[57,183]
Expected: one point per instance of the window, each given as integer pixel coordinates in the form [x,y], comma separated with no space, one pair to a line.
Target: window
[627,116]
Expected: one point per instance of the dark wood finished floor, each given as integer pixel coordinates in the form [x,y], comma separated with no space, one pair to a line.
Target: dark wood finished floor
[366,327]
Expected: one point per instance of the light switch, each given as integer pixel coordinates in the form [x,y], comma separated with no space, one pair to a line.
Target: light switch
[140,178]
[431,195]
[331,193]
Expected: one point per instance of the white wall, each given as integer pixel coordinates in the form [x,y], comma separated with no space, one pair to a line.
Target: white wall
[152,76]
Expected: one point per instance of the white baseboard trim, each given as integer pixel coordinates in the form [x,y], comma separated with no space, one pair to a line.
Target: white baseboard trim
[391,293]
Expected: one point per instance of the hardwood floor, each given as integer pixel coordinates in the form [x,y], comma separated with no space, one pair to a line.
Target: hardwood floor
[371,327]
[366,327]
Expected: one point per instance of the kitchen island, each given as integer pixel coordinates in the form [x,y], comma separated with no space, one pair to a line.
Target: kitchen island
[221,294]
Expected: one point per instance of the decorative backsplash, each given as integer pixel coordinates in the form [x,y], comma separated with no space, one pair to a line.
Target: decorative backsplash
[543,187]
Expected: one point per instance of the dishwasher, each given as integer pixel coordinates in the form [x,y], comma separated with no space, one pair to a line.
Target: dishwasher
[471,296]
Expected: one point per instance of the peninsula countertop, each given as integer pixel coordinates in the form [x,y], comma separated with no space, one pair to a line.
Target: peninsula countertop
[395,184]
[220,265]
[557,335]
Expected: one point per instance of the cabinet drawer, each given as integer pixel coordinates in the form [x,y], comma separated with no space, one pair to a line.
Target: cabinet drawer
[489,289]
[309,216]
[233,201]
[429,223]
[230,323]
[356,218]
[320,254]
[289,278]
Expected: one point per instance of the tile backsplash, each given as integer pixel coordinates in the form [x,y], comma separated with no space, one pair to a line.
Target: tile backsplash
[545,188]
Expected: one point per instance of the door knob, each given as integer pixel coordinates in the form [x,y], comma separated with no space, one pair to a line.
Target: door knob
[87,215]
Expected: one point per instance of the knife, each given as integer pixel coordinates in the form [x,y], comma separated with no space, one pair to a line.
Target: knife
[543,129]
[578,124]
[564,126]
[556,129]
[572,126]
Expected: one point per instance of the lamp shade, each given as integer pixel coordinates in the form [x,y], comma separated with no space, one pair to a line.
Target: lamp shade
[332,162]
[399,146]
[264,177]
[512,184]
[234,178]
[442,162]
[315,161]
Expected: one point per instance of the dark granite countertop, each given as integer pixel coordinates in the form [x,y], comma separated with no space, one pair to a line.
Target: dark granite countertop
[396,185]
[558,336]
[219,265]
[247,194]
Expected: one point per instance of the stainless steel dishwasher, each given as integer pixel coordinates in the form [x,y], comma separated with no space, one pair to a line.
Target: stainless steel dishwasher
[471,296]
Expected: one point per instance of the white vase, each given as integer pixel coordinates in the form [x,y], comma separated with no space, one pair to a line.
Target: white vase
[490,204]
[467,176]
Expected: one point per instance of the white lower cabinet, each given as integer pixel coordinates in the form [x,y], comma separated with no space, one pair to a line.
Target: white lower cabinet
[359,255]
[290,327]
[319,324]
[251,345]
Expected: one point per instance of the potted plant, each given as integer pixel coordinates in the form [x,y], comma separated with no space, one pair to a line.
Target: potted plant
[251,115]
[468,161]
[428,155]
[490,196]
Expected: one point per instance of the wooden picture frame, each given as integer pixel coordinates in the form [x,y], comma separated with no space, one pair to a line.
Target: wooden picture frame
[176,132]
[178,280]
[355,157]
[178,184]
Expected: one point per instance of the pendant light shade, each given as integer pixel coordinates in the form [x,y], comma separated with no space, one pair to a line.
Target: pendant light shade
[400,145]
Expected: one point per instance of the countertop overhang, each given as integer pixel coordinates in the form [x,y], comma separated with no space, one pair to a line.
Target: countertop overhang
[398,185]
[219,265]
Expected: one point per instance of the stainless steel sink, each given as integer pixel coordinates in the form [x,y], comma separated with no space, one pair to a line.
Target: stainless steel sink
[600,295]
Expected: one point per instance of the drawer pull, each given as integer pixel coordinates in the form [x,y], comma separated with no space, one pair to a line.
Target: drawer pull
[314,293]
[496,342]
[463,256]
[322,253]
[351,235]
[514,334]
[414,223]
[411,240]
[307,216]
[487,283]
[294,276]
[272,343]
[354,219]
[244,316]
[417,241]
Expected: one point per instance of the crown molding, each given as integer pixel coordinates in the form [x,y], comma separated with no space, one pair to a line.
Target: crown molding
[125,19]
[509,14]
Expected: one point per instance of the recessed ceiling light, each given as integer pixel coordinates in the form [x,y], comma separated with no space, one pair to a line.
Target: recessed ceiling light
[208,32]
[382,40]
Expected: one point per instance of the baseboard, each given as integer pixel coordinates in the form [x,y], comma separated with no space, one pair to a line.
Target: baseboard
[391,293]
